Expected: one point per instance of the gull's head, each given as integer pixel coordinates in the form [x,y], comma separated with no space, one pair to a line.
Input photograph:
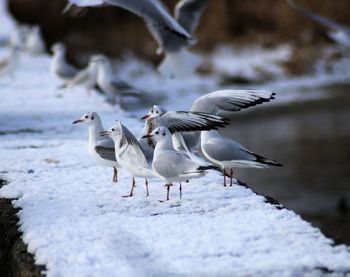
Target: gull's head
[155,112]
[58,47]
[88,118]
[113,132]
[159,134]
[99,59]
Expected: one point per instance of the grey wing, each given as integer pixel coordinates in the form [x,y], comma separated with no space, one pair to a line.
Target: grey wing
[322,20]
[181,121]
[188,12]
[106,153]
[226,150]
[173,163]
[124,88]
[158,20]
[224,102]
[66,71]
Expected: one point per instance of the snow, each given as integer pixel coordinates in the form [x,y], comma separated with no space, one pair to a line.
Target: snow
[76,223]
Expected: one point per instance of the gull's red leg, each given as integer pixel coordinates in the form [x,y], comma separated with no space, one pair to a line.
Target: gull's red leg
[132,188]
[231,177]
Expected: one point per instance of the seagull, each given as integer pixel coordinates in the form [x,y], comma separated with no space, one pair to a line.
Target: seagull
[214,106]
[181,121]
[339,33]
[59,66]
[130,154]
[85,77]
[229,154]
[9,64]
[174,35]
[114,87]
[169,164]
[100,148]
[34,44]
[184,121]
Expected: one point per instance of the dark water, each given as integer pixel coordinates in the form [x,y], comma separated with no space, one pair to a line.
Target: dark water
[312,141]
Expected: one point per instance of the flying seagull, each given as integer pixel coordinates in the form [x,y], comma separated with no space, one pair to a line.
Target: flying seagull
[174,35]
[339,33]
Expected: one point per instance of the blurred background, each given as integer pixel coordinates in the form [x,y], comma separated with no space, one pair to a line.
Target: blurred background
[249,44]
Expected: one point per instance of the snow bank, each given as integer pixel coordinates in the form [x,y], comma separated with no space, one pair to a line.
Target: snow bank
[76,223]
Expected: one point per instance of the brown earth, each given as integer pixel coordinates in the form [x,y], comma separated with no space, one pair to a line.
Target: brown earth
[112,30]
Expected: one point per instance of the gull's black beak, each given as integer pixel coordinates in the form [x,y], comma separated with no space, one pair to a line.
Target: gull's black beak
[104,133]
[145,117]
[147,136]
[77,121]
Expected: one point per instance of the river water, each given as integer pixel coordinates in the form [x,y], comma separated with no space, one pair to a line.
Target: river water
[312,141]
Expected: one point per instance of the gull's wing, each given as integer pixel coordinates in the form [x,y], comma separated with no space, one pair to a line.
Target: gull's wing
[181,121]
[227,101]
[66,70]
[322,20]
[129,140]
[188,12]
[106,153]
[223,149]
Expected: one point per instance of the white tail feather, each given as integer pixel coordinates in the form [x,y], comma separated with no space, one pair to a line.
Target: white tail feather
[179,64]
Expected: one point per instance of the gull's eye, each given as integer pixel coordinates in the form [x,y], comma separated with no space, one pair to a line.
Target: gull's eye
[157,112]
[157,133]
[92,118]
[113,130]
[86,116]
[163,134]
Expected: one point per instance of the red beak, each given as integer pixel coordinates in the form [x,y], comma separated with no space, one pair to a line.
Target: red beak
[145,117]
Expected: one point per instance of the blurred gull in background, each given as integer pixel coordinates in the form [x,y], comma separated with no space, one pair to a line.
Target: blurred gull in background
[114,87]
[9,64]
[34,43]
[59,66]
[101,149]
[87,77]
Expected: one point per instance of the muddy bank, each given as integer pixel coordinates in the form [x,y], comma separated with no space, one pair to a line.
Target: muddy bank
[14,258]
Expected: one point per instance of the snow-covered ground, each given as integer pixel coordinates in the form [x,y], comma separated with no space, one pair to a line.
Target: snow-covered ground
[76,223]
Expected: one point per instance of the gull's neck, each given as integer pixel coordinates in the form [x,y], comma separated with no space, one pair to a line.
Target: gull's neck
[94,130]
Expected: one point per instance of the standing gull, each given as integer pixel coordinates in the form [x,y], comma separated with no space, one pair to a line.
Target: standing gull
[87,77]
[229,154]
[35,44]
[169,164]
[59,66]
[9,64]
[100,148]
[174,35]
[130,155]
[339,33]
[114,87]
